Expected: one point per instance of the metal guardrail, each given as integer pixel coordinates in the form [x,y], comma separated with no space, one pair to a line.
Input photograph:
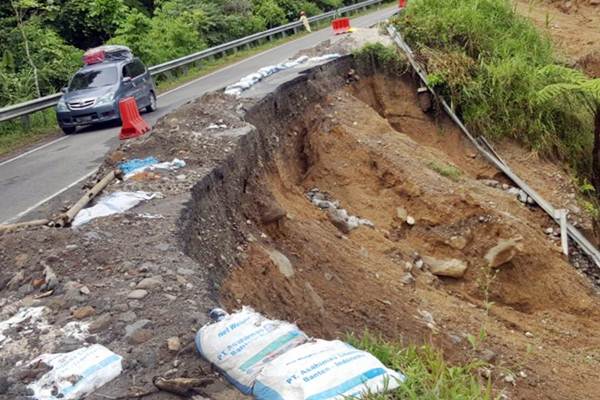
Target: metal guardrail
[42,103]
[585,245]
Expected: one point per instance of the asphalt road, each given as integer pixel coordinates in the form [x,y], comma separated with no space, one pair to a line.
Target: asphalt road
[45,174]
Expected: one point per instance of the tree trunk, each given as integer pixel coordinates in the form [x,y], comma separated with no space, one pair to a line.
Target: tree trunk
[19,18]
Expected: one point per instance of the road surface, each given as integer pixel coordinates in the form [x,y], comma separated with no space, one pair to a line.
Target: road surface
[46,173]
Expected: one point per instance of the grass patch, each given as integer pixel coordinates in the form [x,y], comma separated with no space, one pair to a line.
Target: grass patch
[446,170]
[377,57]
[428,375]
[13,136]
[492,64]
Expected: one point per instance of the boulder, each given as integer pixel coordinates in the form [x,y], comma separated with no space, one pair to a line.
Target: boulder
[453,268]
[282,262]
[503,252]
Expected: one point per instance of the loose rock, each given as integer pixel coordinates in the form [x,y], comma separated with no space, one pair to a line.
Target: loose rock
[453,268]
[137,294]
[83,312]
[503,252]
[173,344]
[149,283]
[282,262]
[401,213]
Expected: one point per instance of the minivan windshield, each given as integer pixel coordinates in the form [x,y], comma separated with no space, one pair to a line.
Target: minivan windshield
[94,78]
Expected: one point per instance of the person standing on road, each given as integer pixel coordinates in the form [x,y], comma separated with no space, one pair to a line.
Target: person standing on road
[304,20]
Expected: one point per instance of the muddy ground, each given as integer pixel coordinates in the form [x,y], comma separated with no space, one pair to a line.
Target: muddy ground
[242,212]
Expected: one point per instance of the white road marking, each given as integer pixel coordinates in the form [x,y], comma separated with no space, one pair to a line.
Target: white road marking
[33,150]
[36,205]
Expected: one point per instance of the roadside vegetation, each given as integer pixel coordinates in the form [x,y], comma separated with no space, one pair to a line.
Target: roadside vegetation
[428,375]
[502,76]
[41,43]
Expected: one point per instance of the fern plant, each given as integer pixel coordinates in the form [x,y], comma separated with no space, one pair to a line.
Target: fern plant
[570,92]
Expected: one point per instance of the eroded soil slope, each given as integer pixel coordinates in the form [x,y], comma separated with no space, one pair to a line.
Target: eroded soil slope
[574,26]
[369,146]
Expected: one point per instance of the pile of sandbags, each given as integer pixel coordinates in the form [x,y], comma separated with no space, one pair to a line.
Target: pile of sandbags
[274,360]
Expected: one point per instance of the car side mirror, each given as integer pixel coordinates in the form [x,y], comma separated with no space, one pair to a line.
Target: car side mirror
[64,90]
[127,80]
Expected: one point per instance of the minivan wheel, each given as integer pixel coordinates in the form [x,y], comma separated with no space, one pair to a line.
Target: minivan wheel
[152,106]
[68,130]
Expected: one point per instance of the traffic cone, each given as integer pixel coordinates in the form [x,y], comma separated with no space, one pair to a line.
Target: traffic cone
[133,124]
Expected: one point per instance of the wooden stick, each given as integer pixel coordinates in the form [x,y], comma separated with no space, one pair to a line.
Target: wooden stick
[66,218]
[12,227]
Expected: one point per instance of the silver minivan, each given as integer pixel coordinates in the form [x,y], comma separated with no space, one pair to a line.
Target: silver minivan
[111,73]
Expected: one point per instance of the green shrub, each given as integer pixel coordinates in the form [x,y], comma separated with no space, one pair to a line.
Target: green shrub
[428,376]
[376,56]
[487,59]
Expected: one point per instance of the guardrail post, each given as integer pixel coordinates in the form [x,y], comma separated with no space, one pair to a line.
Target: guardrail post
[295,30]
[561,215]
[25,122]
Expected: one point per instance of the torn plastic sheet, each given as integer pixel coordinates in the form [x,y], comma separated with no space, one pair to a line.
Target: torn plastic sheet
[137,164]
[114,203]
[33,316]
[250,80]
[173,165]
[77,373]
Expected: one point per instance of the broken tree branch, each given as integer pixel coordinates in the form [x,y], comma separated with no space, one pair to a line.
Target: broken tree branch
[66,218]
[28,224]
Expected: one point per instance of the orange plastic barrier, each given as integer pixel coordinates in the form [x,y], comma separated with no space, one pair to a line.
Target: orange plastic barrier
[133,124]
[340,25]
[402,3]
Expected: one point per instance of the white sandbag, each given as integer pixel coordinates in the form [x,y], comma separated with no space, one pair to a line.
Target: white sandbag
[77,373]
[114,203]
[320,370]
[241,343]
[250,80]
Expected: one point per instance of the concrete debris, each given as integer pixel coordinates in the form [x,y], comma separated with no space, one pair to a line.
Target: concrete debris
[282,262]
[402,214]
[453,268]
[407,279]
[490,182]
[410,220]
[174,344]
[521,196]
[504,252]
[338,216]
[51,281]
